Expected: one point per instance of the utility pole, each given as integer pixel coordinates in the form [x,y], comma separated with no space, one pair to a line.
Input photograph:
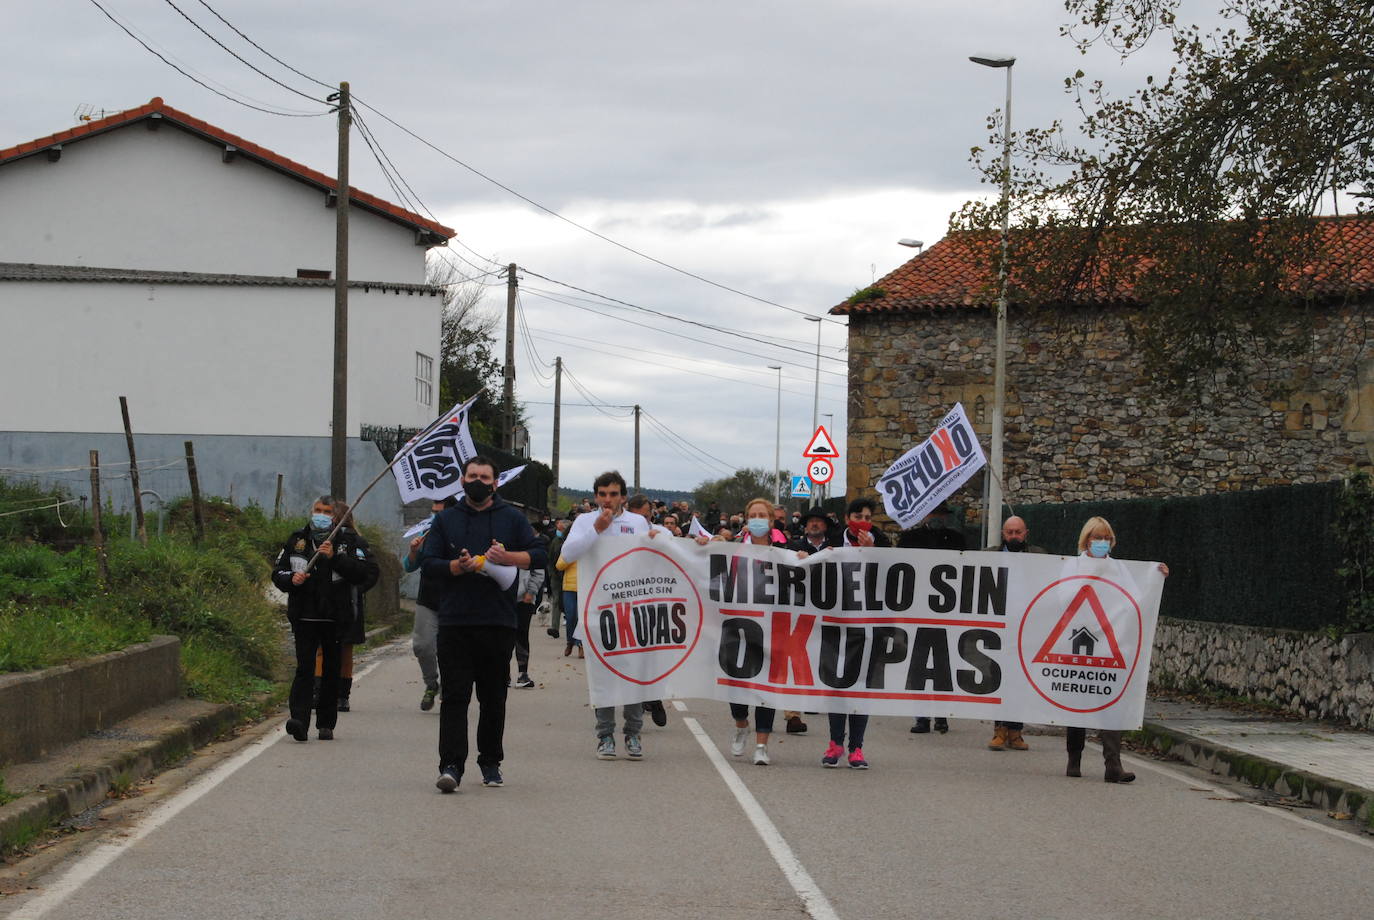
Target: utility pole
[637,447]
[508,393]
[557,418]
[338,435]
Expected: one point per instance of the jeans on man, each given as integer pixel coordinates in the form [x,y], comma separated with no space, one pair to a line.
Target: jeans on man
[570,615]
[473,657]
[424,640]
[605,720]
[311,638]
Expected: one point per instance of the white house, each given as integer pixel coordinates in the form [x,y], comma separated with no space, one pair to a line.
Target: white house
[155,256]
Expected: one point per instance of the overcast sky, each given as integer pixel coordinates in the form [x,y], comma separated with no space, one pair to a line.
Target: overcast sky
[780,148]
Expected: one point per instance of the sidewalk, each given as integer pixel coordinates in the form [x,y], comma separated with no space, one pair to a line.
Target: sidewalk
[1329,766]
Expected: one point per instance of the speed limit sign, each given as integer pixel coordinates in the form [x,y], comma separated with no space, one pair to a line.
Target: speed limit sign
[820,470]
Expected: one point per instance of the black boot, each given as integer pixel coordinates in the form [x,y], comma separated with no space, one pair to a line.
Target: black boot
[1073,742]
[1113,772]
[345,687]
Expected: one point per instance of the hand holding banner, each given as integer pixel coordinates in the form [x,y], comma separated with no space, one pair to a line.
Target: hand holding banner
[925,475]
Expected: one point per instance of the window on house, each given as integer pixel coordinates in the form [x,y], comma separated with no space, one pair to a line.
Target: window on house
[424,379]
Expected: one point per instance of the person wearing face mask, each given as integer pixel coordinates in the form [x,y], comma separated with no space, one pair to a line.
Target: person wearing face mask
[858,525]
[1096,540]
[320,605]
[424,636]
[1007,735]
[758,523]
[474,551]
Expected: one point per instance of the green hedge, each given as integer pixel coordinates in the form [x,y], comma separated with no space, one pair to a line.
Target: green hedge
[1267,557]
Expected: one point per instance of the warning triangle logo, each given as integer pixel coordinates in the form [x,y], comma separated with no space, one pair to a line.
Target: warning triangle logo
[1081,646]
[821,445]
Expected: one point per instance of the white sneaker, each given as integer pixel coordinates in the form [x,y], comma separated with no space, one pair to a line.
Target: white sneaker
[760,755]
[741,739]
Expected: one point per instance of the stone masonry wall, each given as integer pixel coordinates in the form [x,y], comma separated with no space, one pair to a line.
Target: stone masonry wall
[1082,421]
[1307,673]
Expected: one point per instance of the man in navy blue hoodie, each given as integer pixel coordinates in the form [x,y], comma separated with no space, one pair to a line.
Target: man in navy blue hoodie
[469,551]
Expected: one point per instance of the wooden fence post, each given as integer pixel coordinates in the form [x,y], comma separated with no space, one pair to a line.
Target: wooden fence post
[133,473]
[196,509]
[101,560]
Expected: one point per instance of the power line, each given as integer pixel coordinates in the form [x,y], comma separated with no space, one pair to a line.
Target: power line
[691,322]
[262,49]
[687,445]
[622,319]
[237,57]
[125,29]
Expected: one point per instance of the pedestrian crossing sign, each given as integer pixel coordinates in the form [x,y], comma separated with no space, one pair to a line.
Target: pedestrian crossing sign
[801,487]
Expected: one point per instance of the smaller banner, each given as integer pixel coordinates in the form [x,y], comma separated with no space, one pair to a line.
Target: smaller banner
[431,465]
[418,530]
[930,472]
[510,474]
[696,530]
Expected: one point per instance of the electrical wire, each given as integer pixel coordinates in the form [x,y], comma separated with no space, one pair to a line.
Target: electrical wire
[239,58]
[537,362]
[717,345]
[590,397]
[125,29]
[512,191]
[687,445]
[691,322]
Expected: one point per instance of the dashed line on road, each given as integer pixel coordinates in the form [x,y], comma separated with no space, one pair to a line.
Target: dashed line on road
[817,905]
[91,865]
[1276,812]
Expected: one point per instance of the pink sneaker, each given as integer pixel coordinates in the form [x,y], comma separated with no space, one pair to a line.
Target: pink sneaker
[856,760]
[832,755]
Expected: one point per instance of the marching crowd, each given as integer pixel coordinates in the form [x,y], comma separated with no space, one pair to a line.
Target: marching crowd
[484,569]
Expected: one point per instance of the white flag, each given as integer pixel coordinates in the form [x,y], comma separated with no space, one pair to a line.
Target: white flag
[925,475]
[696,530]
[510,474]
[432,465]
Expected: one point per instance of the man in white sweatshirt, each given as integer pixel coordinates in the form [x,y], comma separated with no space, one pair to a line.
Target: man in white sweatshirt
[612,519]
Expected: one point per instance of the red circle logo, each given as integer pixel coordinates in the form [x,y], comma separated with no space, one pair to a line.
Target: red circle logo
[1079,642]
[648,616]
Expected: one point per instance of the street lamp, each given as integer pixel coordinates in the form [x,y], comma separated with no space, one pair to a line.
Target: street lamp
[999,382]
[777,442]
[911,244]
[829,429]
[816,400]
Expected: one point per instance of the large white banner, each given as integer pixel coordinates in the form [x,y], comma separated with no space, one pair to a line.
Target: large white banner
[931,471]
[433,467]
[1014,636]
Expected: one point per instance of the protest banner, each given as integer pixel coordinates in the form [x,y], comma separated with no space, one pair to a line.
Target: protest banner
[903,632]
[510,474]
[929,472]
[432,464]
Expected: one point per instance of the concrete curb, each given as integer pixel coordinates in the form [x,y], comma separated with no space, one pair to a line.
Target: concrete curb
[21,819]
[1320,791]
[28,815]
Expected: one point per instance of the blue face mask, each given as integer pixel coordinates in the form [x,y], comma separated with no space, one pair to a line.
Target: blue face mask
[759,526]
[1100,548]
[321,522]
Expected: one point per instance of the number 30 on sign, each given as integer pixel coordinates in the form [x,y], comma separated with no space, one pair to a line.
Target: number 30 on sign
[820,471]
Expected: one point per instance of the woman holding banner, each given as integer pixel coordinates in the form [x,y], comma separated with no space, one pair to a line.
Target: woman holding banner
[1097,540]
[758,524]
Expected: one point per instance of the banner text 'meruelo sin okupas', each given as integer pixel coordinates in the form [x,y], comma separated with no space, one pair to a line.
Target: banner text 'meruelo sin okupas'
[1014,636]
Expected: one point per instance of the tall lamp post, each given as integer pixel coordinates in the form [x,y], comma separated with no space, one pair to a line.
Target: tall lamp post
[993,513]
[777,442]
[829,427]
[816,400]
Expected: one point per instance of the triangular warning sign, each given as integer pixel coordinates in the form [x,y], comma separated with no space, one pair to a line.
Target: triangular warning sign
[1085,656]
[821,445]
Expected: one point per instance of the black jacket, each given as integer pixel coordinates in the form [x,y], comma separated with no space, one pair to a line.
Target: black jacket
[799,543]
[474,599]
[323,596]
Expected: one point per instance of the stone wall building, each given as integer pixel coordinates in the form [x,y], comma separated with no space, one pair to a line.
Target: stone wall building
[1082,420]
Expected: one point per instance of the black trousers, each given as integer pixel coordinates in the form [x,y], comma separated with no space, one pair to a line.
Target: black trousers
[524,613]
[313,637]
[473,657]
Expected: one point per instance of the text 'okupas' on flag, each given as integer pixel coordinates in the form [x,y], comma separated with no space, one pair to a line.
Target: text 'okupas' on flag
[932,470]
[431,463]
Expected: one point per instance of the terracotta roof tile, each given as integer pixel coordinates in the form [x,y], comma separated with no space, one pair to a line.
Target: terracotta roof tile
[961,271]
[245,147]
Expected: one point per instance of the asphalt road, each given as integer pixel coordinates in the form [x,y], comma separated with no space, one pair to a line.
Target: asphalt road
[939,827]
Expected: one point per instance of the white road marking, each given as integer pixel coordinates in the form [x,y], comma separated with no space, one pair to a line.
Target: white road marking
[817,906]
[93,863]
[1278,812]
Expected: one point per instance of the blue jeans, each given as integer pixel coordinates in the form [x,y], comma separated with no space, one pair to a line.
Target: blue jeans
[858,724]
[570,615]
